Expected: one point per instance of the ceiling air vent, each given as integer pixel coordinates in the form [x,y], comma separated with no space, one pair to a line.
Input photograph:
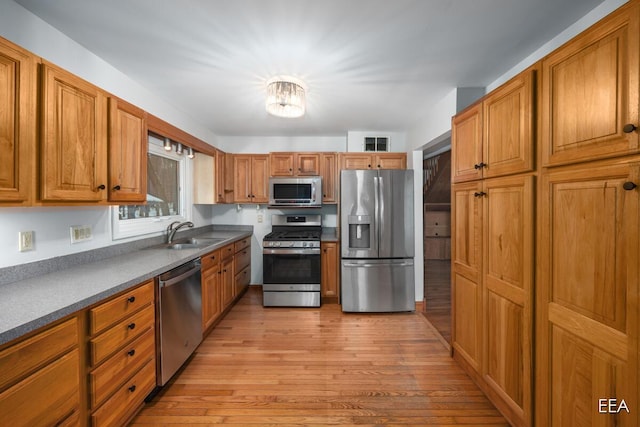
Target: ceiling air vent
[376,143]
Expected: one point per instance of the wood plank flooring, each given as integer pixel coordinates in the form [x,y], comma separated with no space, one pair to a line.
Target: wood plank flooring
[317,367]
[437,291]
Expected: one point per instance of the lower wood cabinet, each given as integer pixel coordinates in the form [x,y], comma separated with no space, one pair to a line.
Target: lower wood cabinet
[330,272]
[122,355]
[30,368]
[211,289]
[242,265]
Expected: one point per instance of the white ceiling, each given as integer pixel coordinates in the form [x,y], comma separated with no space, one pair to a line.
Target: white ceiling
[368,64]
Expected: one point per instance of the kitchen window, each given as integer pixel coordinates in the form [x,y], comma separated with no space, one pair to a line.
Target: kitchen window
[167,197]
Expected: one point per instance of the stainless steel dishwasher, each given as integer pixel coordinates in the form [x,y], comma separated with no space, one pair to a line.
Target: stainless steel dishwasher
[180,318]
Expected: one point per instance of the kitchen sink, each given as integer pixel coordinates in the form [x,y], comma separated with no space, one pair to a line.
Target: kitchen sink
[190,243]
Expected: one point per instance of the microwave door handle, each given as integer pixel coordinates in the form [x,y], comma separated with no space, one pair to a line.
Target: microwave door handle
[313,192]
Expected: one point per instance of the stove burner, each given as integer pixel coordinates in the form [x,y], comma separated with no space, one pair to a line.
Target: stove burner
[293,235]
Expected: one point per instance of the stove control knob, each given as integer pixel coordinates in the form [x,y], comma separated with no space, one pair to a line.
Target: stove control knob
[277,244]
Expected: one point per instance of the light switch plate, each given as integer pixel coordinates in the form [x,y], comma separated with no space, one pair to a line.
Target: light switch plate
[80,233]
[25,241]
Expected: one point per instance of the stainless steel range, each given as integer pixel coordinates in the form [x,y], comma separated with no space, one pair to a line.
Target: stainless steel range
[291,255]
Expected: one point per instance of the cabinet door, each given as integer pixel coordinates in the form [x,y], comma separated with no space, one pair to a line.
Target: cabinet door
[219,185]
[329,272]
[508,145]
[466,145]
[17,123]
[260,179]
[128,143]
[590,92]
[211,304]
[328,171]
[466,247]
[228,285]
[508,291]
[73,155]
[307,164]
[587,296]
[390,161]
[355,161]
[242,178]
[282,164]
[228,178]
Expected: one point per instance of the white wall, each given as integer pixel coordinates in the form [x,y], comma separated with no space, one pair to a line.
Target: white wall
[435,123]
[265,144]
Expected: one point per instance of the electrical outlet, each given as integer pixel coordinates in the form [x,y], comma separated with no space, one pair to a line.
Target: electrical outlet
[260,218]
[80,233]
[25,241]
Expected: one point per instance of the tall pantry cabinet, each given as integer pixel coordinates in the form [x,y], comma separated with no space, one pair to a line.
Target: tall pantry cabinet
[587,290]
[492,243]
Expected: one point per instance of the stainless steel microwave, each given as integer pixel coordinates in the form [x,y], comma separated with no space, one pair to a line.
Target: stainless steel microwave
[295,192]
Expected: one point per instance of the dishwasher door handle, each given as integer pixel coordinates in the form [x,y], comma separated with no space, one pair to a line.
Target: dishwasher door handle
[177,279]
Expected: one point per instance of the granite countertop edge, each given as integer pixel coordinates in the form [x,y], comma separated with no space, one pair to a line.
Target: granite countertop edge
[29,304]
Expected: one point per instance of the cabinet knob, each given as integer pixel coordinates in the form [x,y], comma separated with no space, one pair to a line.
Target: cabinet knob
[628,128]
[101,187]
[479,165]
[116,188]
[629,185]
[132,388]
[369,166]
[131,326]
[131,352]
[479,194]
[131,299]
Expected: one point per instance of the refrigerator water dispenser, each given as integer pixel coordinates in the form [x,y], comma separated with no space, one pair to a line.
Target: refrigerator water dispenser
[359,231]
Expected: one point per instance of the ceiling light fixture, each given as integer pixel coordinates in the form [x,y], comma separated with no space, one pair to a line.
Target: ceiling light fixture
[285,97]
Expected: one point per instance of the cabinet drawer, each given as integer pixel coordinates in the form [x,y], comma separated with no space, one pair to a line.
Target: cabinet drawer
[121,333]
[121,366]
[437,231]
[242,259]
[241,244]
[47,397]
[127,398]
[243,278]
[437,218]
[227,251]
[211,259]
[22,358]
[120,307]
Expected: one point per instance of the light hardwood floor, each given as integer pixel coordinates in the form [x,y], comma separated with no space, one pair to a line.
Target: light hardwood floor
[306,367]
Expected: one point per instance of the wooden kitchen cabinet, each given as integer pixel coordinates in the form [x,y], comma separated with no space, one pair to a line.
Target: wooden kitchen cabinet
[492,255]
[242,265]
[587,294]
[211,290]
[590,93]
[17,124]
[227,281]
[495,136]
[373,161]
[251,178]
[329,173]
[330,272]
[294,164]
[122,355]
[73,151]
[28,369]
[128,142]
[224,177]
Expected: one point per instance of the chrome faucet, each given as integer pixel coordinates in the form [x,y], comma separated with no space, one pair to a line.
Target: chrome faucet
[171,231]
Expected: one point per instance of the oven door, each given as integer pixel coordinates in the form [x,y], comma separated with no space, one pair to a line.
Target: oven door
[291,266]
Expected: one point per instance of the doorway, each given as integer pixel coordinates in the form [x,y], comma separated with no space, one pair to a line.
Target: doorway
[437,241]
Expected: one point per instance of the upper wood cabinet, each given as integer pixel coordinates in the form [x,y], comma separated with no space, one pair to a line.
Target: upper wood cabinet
[495,137]
[329,173]
[294,164]
[73,152]
[373,160]
[17,124]
[251,178]
[589,105]
[224,177]
[128,144]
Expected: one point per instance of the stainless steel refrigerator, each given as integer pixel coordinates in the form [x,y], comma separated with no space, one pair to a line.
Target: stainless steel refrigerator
[377,240]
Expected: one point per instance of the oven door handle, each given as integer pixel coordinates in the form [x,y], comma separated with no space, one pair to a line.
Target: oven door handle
[307,251]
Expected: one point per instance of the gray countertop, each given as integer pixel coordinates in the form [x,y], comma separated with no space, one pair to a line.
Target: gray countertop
[29,304]
[329,234]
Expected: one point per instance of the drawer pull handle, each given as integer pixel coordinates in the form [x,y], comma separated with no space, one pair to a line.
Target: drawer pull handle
[131,352]
[131,299]
[479,165]
[629,128]
[629,185]
[132,388]
[131,326]
[480,194]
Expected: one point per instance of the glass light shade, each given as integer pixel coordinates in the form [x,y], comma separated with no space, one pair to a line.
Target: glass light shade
[190,153]
[167,144]
[285,99]
[179,148]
